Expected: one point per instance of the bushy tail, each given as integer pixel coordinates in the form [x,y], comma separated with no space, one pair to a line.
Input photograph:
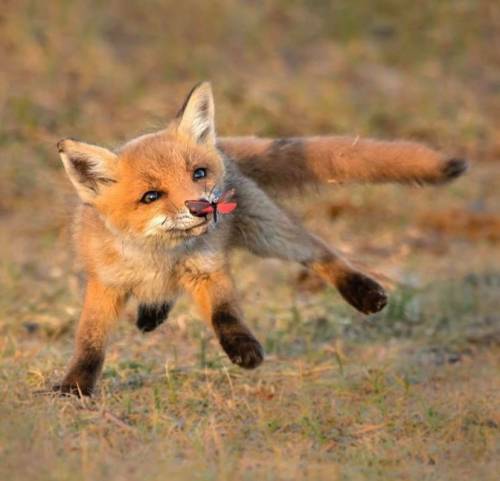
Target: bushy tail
[298,161]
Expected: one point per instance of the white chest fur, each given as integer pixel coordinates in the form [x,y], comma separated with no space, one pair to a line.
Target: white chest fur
[152,273]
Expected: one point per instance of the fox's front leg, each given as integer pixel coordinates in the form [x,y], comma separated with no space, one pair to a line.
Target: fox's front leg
[215,296]
[101,309]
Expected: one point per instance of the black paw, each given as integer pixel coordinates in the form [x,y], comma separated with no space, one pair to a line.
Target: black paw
[363,293]
[243,349]
[150,316]
[65,389]
[454,168]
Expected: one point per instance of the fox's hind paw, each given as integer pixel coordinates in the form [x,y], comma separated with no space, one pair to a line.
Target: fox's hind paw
[362,292]
[452,169]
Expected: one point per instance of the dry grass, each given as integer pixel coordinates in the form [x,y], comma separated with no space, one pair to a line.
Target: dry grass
[412,393]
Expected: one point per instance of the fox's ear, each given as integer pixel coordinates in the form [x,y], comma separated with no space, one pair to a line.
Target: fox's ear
[196,116]
[89,167]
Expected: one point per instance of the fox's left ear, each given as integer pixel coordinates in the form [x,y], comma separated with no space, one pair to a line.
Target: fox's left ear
[196,117]
[89,167]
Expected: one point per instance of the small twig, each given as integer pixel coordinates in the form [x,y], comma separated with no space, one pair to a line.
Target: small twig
[368,429]
[119,422]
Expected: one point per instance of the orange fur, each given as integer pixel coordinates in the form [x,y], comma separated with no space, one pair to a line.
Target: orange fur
[101,309]
[282,163]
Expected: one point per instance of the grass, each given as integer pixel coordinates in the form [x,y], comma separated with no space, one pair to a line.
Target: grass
[411,393]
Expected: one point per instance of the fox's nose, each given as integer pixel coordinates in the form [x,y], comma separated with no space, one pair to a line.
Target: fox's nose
[199,208]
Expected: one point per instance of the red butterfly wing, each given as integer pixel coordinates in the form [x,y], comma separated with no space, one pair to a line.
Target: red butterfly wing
[199,207]
[226,196]
[226,207]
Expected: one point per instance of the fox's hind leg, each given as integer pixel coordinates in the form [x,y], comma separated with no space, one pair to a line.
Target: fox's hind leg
[289,162]
[358,289]
[215,296]
[267,231]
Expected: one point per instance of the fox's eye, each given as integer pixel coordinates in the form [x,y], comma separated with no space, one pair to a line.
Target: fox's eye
[151,196]
[199,174]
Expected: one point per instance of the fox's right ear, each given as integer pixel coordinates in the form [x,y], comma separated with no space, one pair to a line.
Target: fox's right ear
[89,167]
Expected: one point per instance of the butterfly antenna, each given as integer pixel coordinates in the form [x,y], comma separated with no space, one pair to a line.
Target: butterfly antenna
[211,190]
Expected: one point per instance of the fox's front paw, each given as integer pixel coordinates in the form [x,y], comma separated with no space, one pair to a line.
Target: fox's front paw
[150,316]
[64,389]
[243,349]
[362,292]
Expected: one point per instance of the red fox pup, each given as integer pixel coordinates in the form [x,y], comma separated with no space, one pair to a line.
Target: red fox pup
[159,216]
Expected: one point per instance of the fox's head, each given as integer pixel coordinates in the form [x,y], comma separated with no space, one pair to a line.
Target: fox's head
[142,189]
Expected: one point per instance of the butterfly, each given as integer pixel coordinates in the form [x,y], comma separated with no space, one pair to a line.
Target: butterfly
[223,205]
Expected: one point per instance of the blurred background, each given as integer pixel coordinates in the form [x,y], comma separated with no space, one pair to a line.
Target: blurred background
[106,71]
